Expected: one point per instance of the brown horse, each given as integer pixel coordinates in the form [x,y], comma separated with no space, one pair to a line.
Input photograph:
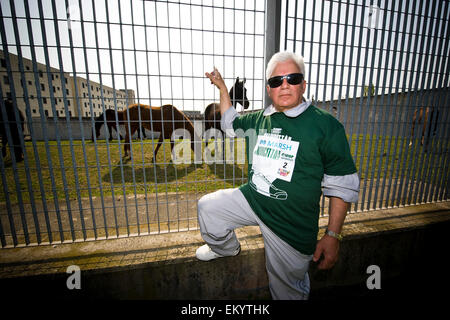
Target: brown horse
[110,116]
[165,120]
[426,114]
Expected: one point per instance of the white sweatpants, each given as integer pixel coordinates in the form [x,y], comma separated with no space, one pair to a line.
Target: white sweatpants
[220,212]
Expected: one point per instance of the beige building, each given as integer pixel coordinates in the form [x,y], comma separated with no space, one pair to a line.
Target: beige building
[55,85]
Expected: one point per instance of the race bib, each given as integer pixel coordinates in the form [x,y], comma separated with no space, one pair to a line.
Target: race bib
[274,156]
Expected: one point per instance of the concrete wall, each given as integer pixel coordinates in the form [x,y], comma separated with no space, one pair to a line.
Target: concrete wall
[408,249]
[78,129]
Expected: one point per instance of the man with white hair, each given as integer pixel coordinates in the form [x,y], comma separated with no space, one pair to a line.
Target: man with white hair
[299,152]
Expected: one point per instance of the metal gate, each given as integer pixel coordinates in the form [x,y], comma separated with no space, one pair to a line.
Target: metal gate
[64,63]
[382,67]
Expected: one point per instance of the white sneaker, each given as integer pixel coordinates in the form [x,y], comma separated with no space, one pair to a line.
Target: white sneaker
[205,253]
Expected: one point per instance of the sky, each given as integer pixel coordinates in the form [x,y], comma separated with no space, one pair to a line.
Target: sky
[384,43]
[162,49]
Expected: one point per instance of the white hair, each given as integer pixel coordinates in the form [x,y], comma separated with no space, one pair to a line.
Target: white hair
[284,56]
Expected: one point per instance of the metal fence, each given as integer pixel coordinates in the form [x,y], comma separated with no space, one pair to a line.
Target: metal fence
[382,67]
[376,66]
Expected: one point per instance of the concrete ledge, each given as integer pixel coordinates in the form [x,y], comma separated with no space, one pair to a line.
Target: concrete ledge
[399,241]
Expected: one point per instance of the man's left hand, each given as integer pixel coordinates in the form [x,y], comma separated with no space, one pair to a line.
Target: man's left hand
[329,247]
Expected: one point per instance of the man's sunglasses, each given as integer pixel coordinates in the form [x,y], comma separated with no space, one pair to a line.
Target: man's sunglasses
[293,79]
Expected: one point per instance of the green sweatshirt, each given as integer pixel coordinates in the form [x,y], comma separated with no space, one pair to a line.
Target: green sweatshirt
[286,168]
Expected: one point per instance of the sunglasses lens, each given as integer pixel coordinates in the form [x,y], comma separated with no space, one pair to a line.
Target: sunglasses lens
[275,81]
[293,79]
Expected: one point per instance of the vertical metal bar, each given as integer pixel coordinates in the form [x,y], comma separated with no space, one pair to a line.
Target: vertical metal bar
[173,118]
[139,118]
[45,134]
[423,102]
[28,119]
[341,105]
[294,42]
[424,162]
[55,121]
[128,123]
[151,125]
[286,24]
[192,64]
[304,29]
[272,37]
[77,96]
[151,119]
[336,46]
[387,137]
[204,67]
[414,97]
[440,180]
[364,112]
[162,126]
[409,96]
[218,142]
[319,54]
[311,49]
[8,129]
[352,109]
[368,108]
[431,142]
[97,157]
[325,84]
[341,81]
[69,129]
[445,191]
[12,226]
[5,190]
[419,98]
[355,91]
[181,51]
[379,116]
[385,116]
[113,199]
[31,129]
[442,106]
[93,125]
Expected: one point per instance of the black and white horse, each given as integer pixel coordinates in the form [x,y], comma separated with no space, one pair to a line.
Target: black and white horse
[238,94]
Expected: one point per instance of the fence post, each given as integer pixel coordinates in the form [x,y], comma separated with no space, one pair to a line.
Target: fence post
[272,39]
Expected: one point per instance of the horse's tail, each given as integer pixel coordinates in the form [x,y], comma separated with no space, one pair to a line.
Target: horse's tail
[125,123]
[120,116]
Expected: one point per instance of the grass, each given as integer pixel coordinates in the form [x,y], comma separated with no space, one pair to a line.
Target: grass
[379,156]
[100,169]
[375,157]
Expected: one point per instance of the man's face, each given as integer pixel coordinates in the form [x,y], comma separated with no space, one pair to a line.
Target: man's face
[287,95]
